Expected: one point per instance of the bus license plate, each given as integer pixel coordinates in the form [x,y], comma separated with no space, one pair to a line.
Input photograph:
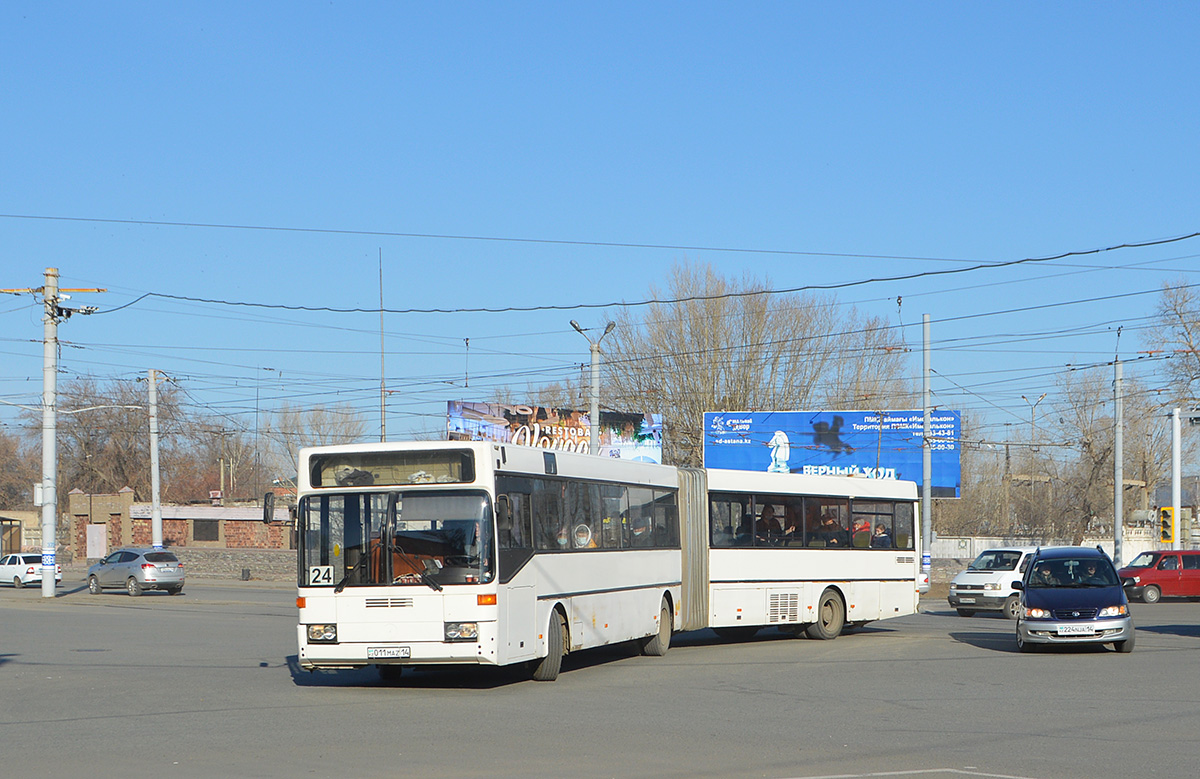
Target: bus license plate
[1076,630]
[387,652]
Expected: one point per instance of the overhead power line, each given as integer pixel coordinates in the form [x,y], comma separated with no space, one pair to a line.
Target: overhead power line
[490,238]
[605,244]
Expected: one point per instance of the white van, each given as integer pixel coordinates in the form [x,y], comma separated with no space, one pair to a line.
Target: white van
[987,583]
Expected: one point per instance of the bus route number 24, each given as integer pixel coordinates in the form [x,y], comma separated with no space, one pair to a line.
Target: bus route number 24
[320,574]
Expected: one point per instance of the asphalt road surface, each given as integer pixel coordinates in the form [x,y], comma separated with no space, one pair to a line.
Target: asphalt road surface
[206,685]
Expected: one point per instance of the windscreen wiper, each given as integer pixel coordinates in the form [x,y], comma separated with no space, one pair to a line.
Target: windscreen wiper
[424,573]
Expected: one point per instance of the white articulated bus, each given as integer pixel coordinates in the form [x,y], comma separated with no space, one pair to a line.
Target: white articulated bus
[479,553]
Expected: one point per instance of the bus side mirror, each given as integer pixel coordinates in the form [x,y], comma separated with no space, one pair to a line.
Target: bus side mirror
[269,507]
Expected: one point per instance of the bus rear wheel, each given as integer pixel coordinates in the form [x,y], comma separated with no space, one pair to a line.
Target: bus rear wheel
[831,616]
[658,644]
[546,669]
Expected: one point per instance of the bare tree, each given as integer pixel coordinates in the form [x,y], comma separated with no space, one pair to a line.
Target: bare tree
[1176,333]
[731,345]
[981,510]
[104,434]
[290,428]
[19,469]
[1079,495]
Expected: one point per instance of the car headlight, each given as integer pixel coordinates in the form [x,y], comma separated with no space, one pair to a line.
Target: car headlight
[322,634]
[1036,613]
[1113,611]
[462,631]
[992,586]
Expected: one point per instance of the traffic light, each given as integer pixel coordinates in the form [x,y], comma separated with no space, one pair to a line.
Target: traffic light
[1166,524]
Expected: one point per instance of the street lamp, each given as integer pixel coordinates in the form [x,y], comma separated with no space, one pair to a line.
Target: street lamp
[1032,408]
[594,438]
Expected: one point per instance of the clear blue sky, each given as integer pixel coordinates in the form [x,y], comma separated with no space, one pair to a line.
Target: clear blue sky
[840,137]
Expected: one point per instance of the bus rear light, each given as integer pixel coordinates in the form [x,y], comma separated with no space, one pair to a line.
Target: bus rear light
[485,600]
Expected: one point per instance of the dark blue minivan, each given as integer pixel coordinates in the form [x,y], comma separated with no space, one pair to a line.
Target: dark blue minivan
[1072,595]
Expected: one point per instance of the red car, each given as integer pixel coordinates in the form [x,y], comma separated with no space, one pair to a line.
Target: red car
[1164,573]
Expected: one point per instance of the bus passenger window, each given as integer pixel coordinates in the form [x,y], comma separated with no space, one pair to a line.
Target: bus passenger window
[903,533]
[549,529]
[641,517]
[666,520]
[724,516]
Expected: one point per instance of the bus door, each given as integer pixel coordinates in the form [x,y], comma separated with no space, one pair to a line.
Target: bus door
[517,593]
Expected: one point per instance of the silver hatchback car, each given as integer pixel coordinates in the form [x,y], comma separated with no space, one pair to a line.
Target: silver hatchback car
[137,570]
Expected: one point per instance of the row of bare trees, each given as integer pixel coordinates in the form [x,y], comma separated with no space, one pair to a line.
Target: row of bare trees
[104,444]
[708,343]
[719,344]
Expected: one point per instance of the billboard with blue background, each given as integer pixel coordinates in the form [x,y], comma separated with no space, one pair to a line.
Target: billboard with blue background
[874,444]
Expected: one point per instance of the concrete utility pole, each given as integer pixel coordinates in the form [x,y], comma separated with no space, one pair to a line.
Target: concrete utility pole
[50,433]
[1118,464]
[926,459]
[51,298]
[382,372]
[156,530]
[1176,467]
[594,438]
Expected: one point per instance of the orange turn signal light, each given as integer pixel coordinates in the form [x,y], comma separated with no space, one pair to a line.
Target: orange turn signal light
[486,600]
[299,603]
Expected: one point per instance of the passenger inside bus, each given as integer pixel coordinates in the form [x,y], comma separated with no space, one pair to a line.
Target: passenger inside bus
[832,533]
[792,531]
[643,531]
[861,534]
[768,528]
[745,532]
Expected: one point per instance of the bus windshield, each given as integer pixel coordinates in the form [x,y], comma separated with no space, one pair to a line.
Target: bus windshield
[432,538]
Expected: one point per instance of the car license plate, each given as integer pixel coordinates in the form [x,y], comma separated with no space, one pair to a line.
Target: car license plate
[386,652]
[1076,630]
[966,600]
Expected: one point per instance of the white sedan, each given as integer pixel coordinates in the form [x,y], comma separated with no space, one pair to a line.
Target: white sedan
[22,569]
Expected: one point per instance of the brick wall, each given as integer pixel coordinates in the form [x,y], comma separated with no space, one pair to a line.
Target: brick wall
[242,534]
[273,565]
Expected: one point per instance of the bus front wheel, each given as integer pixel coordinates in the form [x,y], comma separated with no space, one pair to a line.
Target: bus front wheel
[546,669]
[657,645]
[831,616]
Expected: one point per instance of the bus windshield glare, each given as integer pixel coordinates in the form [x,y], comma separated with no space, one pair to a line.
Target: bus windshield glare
[433,539]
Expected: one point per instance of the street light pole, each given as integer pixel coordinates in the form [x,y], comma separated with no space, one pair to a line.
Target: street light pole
[594,413]
[1032,408]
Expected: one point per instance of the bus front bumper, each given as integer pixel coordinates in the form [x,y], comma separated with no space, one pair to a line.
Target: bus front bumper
[314,655]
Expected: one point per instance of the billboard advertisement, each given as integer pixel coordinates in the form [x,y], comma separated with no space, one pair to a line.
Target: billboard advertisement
[626,436]
[874,444]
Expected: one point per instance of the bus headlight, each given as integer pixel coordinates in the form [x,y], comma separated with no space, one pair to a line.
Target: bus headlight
[323,634]
[462,631]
